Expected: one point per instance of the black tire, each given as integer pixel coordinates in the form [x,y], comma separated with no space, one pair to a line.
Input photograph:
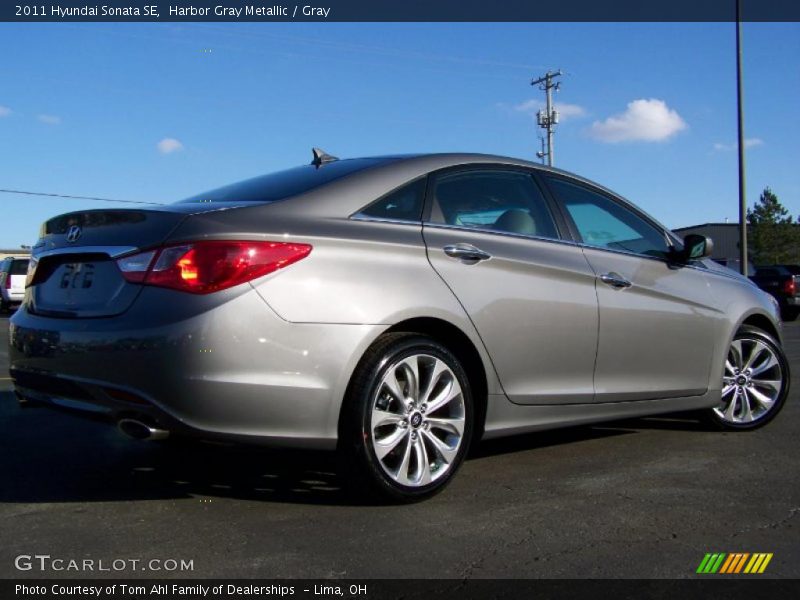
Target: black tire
[365,474]
[750,336]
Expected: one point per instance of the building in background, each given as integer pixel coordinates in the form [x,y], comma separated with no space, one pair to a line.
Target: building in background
[21,252]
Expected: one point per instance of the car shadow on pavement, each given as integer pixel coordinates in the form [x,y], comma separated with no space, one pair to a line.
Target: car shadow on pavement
[50,456]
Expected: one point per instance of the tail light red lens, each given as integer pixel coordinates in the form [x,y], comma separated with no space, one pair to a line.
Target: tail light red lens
[209,266]
[790,287]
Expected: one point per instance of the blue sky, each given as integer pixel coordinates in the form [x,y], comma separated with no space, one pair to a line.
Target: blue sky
[158,112]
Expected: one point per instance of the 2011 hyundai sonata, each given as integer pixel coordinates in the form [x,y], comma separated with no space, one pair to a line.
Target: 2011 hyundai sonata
[396,308]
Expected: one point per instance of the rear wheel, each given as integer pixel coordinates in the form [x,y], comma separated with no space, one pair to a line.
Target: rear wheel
[755,382]
[408,420]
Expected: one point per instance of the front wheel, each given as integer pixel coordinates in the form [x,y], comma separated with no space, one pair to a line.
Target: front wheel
[408,420]
[755,382]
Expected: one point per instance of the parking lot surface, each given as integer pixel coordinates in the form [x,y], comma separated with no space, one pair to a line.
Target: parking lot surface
[641,498]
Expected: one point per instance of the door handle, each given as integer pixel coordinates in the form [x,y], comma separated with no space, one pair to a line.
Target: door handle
[466,252]
[615,280]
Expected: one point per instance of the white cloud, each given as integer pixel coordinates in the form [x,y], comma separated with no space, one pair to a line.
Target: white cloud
[644,120]
[565,110]
[748,143]
[169,145]
[49,119]
[4,111]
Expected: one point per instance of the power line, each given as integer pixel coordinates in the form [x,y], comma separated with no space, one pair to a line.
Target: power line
[78,197]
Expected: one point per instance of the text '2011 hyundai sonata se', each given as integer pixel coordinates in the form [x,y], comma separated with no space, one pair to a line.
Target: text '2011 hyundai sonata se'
[396,308]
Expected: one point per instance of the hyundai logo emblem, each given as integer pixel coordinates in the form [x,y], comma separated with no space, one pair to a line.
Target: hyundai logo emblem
[74,233]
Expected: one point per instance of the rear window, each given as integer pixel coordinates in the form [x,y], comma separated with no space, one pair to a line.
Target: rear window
[19,267]
[283,184]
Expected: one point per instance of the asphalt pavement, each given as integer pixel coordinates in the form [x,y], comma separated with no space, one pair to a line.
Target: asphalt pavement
[644,498]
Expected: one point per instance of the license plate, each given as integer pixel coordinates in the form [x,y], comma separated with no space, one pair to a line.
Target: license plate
[77,276]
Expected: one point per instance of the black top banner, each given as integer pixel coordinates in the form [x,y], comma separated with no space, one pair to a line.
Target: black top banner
[402,10]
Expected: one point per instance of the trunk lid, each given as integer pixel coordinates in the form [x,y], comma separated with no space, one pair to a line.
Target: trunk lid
[74,273]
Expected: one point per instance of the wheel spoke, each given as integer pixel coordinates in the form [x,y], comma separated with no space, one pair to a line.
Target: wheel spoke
[729,367]
[439,368]
[446,452]
[747,411]
[402,470]
[728,389]
[770,362]
[447,395]
[393,386]
[382,418]
[761,398]
[385,445]
[423,462]
[410,368]
[755,354]
[729,411]
[773,384]
[455,426]
[735,355]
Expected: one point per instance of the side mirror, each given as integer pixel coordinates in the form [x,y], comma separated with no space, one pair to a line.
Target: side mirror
[696,247]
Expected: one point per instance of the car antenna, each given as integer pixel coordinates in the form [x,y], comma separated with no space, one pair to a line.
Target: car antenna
[321,157]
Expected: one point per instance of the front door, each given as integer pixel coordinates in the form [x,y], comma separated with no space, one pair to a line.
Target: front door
[656,335]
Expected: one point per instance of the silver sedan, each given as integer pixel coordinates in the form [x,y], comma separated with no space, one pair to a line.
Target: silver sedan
[395,308]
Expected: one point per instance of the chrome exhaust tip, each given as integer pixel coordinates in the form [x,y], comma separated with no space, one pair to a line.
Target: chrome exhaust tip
[141,431]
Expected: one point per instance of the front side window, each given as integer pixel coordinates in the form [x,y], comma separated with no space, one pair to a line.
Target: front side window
[603,223]
[503,201]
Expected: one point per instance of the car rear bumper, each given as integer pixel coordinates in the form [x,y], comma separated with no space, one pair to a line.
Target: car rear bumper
[236,371]
[12,297]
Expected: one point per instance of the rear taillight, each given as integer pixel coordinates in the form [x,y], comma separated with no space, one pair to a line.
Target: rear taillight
[8,281]
[209,266]
[790,287]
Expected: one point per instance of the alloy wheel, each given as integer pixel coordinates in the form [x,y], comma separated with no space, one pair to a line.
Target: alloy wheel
[417,420]
[752,382]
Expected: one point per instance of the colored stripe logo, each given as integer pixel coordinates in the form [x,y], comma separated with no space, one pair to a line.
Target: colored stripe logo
[734,563]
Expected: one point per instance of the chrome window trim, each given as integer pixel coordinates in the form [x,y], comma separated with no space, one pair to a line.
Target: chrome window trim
[362,217]
[510,234]
[111,251]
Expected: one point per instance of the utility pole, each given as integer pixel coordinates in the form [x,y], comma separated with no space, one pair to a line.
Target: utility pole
[543,152]
[740,113]
[549,118]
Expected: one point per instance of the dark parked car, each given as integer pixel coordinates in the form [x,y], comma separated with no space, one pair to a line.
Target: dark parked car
[782,282]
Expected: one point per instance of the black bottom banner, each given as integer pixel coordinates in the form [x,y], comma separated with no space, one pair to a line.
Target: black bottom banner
[400,589]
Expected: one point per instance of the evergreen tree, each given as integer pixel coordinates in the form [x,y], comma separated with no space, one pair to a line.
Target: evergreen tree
[773,234]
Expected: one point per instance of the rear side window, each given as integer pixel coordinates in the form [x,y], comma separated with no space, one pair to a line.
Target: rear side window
[19,267]
[403,204]
[503,201]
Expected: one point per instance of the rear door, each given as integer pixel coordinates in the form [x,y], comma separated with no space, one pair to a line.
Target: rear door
[656,330]
[495,240]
